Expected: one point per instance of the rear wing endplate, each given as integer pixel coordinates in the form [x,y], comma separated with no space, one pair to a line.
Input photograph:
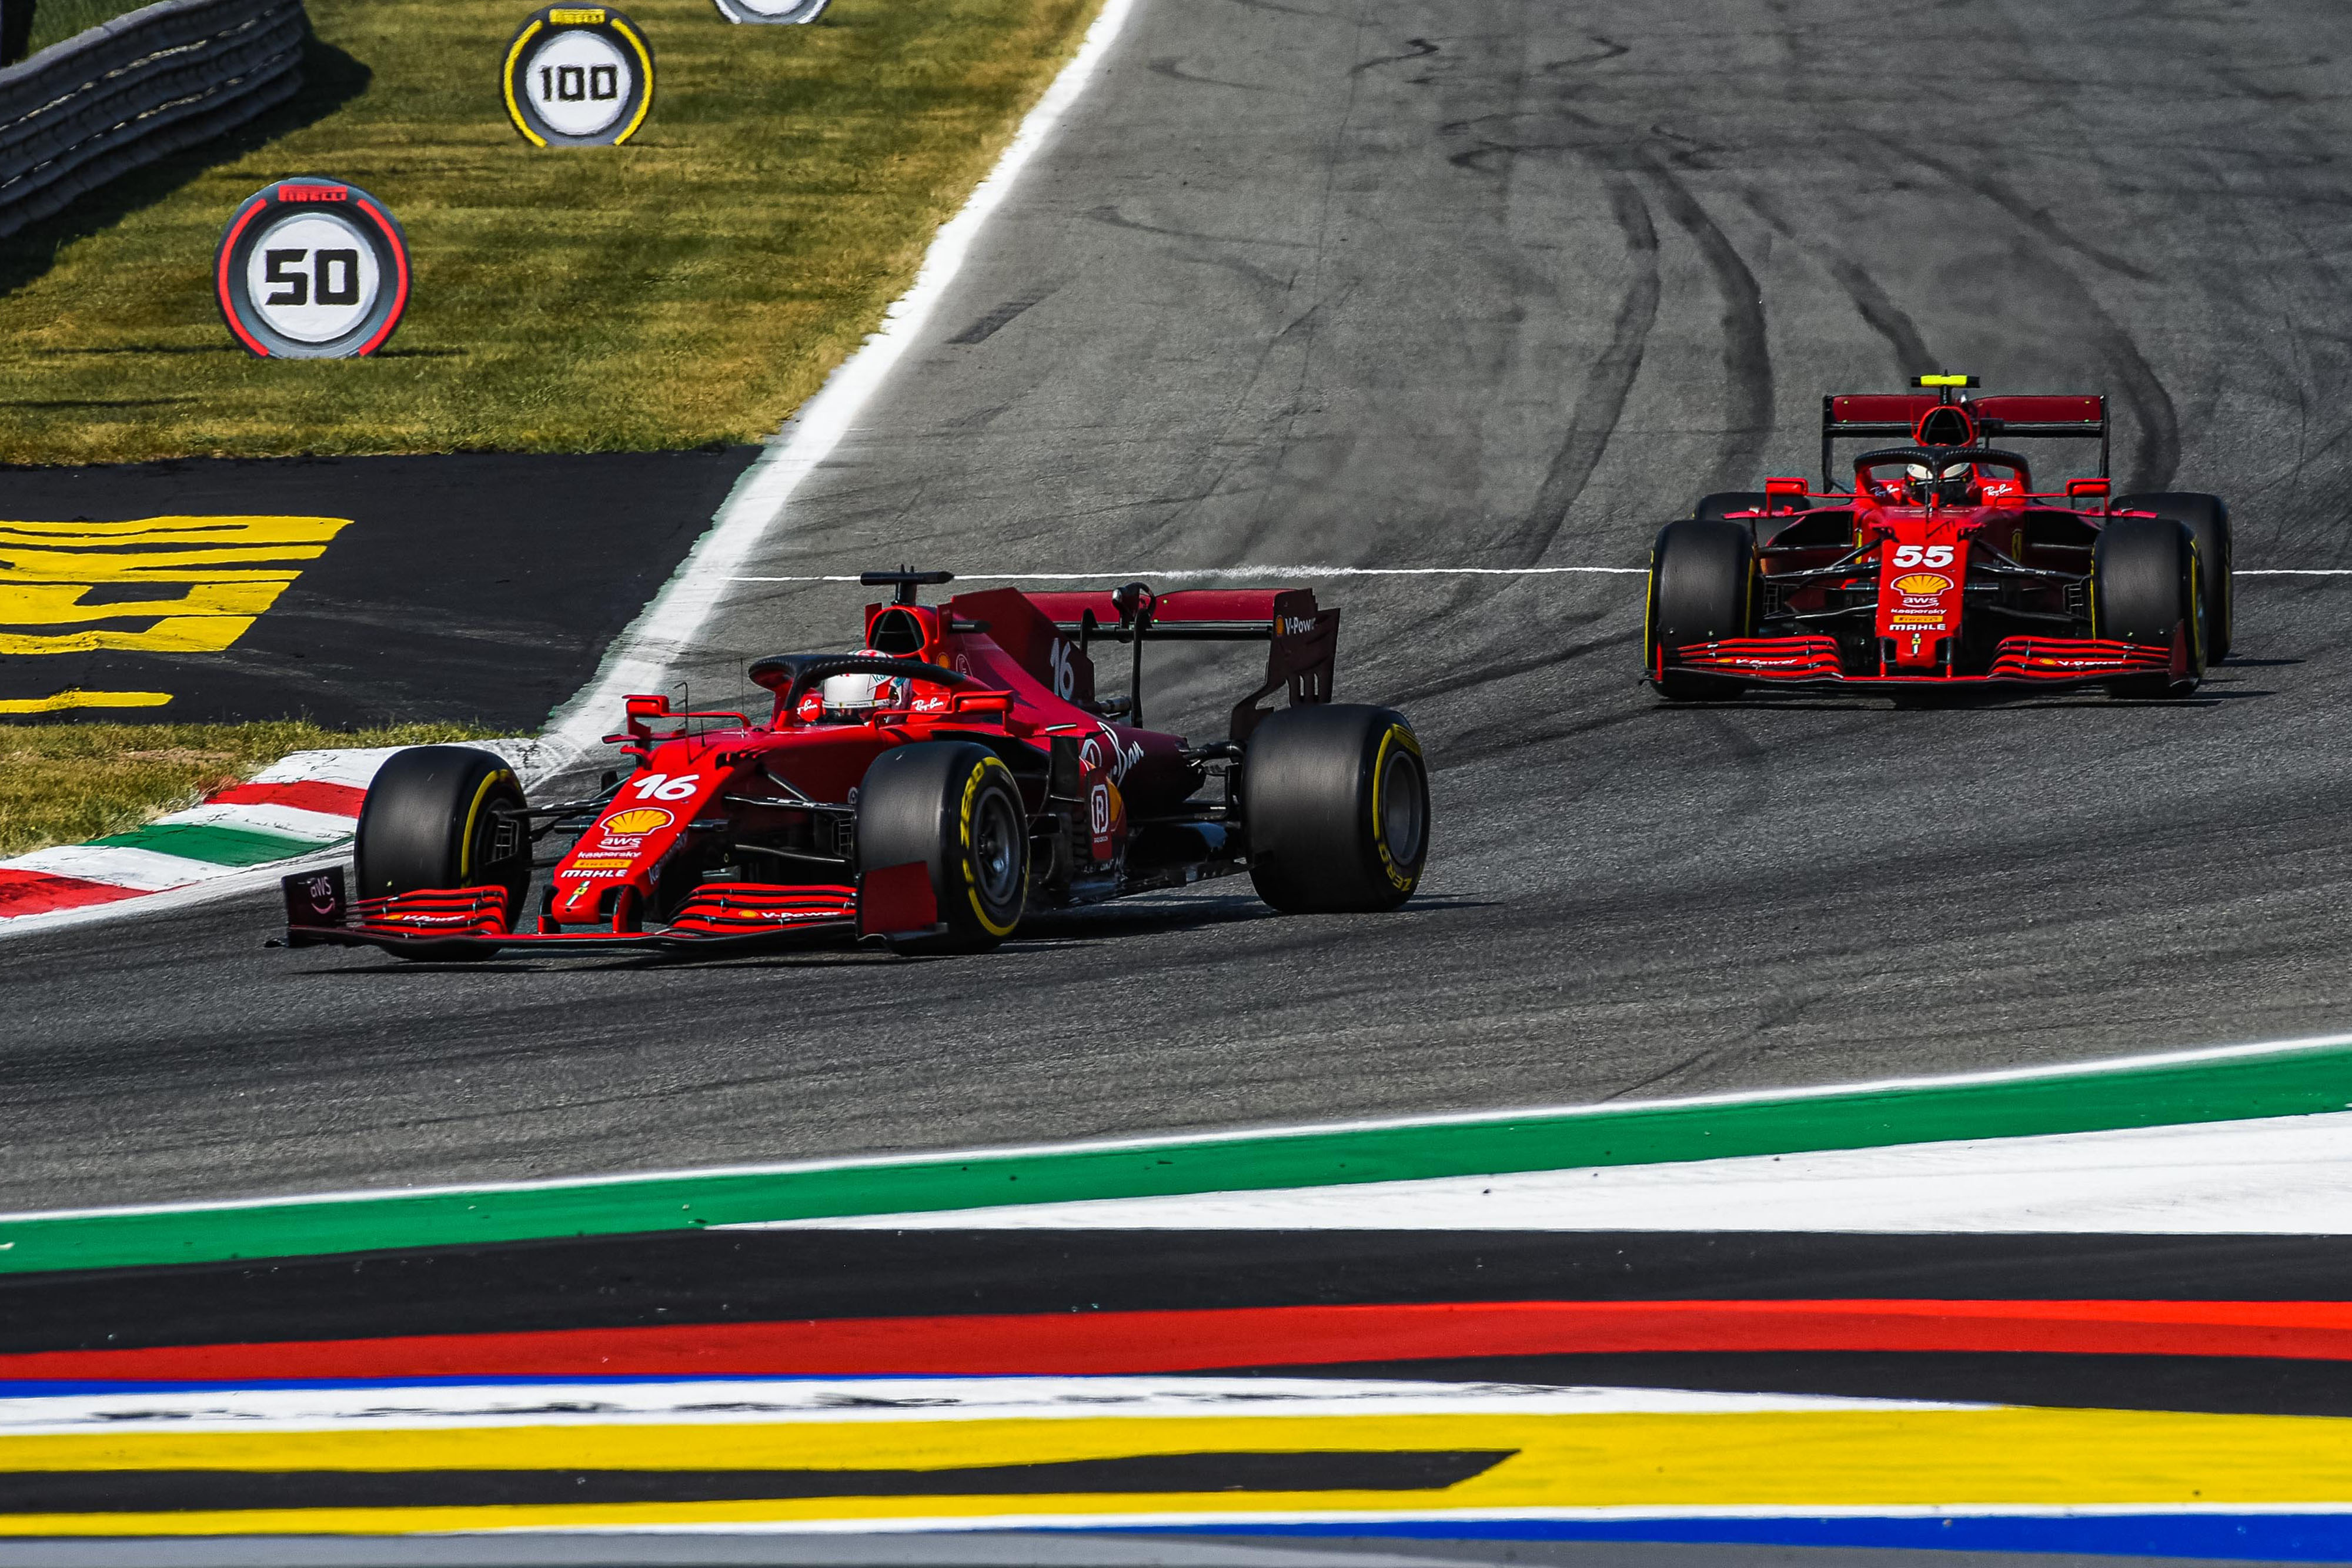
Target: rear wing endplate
[2013,416]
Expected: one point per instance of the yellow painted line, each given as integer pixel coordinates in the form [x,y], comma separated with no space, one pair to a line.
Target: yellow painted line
[47,570]
[73,698]
[1841,1458]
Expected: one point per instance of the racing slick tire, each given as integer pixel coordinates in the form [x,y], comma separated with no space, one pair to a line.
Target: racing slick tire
[1336,797]
[2207,518]
[954,805]
[2145,583]
[431,819]
[1702,590]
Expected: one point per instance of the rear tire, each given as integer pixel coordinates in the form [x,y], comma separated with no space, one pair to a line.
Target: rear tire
[2145,586]
[432,819]
[1702,590]
[1337,798]
[2207,518]
[954,805]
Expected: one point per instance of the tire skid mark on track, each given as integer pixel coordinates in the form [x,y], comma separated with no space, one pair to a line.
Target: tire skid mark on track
[1608,383]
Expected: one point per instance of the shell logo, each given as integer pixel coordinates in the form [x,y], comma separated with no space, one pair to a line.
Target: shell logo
[1923,582]
[644,819]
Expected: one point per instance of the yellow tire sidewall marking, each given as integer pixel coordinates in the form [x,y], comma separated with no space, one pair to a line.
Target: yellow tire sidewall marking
[971,787]
[1398,878]
[473,816]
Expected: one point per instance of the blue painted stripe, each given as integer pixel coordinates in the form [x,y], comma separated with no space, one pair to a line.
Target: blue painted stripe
[2271,1537]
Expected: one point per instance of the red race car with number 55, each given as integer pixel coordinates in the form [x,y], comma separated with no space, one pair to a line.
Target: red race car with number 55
[1941,565]
[927,792]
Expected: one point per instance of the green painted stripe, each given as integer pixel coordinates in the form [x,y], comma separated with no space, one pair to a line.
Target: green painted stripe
[2289,1082]
[210,841]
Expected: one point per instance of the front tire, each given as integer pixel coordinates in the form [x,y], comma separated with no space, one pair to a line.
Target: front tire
[443,816]
[2146,589]
[2207,518]
[954,805]
[1336,798]
[1702,590]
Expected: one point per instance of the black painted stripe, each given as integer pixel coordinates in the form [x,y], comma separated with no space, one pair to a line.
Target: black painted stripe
[166,1491]
[2221,1386]
[671,1277]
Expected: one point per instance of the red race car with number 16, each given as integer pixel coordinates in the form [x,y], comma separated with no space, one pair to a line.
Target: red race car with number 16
[926,791]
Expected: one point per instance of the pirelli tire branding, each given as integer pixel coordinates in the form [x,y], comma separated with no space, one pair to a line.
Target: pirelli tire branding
[788,10]
[579,76]
[311,269]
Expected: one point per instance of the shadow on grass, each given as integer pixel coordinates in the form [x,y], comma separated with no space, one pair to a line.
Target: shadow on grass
[330,79]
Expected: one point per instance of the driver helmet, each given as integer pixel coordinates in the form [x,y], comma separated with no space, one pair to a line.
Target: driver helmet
[1950,487]
[855,695]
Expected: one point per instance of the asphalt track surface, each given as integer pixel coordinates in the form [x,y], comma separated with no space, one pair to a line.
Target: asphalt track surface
[1398,284]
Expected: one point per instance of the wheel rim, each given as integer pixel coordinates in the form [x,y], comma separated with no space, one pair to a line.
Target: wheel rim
[996,852]
[1404,810]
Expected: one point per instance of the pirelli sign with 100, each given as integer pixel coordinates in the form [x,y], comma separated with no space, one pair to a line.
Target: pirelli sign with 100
[579,76]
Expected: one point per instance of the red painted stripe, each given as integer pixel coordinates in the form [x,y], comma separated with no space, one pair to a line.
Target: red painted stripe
[36,892]
[1103,1343]
[308,795]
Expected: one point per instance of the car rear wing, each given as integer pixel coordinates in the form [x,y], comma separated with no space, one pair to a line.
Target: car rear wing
[2012,416]
[1303,640]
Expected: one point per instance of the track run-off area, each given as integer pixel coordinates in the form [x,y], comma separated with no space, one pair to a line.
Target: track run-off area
[1385,287]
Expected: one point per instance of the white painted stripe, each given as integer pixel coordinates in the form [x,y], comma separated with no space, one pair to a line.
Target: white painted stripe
[142,869]
[863,1401]
[1239,1135]
[1284,573]
[639,660]
[355,767]
[323,827]
[2281,1176]
[2290,572]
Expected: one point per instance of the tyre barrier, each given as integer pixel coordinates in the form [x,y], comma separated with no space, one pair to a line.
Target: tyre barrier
[135,89]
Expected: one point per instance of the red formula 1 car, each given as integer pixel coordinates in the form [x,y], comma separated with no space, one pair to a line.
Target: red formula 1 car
[1941,565]
[927,792]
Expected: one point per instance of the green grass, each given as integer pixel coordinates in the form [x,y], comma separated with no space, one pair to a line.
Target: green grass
[693,286]
[63,784]
[54,21]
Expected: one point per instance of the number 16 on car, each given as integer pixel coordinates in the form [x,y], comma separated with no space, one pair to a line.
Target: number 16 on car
[578,76]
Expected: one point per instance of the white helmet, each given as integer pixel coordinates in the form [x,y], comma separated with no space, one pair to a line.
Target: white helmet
[1951,484]
[855,695]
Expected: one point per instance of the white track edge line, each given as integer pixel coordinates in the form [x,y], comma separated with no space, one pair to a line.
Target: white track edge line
[1243,1135]
[639,659]
[1181,573]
